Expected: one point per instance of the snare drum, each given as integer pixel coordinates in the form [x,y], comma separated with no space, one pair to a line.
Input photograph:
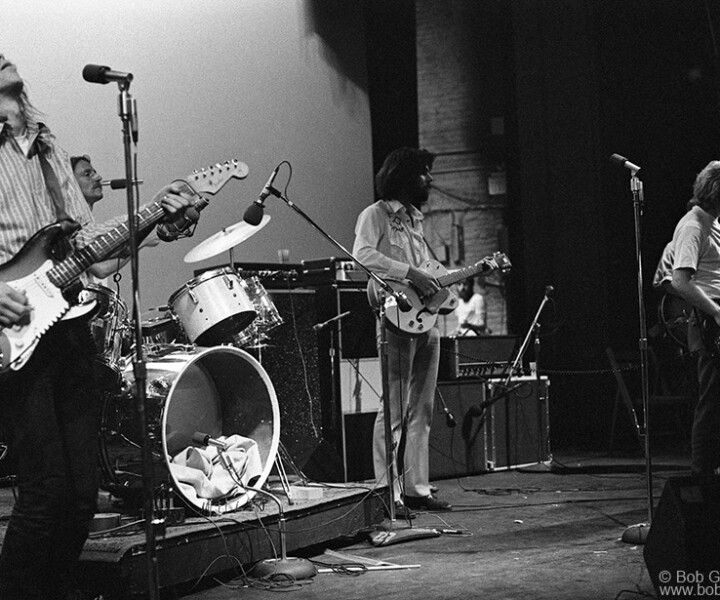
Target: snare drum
[222,392]
[213,306]
[162,330]
[109,328]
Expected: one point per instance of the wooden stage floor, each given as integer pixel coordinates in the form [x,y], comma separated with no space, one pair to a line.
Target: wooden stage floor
[545,534]
[114,563]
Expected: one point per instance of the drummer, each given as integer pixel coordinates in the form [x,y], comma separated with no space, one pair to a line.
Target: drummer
[90,184]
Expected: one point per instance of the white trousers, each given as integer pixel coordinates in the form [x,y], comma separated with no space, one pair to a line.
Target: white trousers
[412,377]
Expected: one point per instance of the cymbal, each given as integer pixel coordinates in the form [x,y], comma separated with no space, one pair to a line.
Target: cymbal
[223,240]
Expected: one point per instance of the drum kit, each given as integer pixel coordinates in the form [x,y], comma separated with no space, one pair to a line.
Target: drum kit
[201,377]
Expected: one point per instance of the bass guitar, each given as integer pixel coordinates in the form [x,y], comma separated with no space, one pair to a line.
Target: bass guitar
[423,311]
[47,269]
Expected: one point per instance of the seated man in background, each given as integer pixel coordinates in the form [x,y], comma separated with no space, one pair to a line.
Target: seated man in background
[471,311]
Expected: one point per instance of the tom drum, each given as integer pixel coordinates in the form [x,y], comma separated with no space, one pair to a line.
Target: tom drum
[213,306]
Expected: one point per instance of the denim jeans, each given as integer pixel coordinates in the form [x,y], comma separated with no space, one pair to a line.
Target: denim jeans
[51,407]
[705,439]
[412,377]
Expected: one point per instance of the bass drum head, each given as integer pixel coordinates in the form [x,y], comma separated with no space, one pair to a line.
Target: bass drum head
[219,392]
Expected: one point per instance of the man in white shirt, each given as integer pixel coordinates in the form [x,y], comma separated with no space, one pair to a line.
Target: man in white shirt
[471,310]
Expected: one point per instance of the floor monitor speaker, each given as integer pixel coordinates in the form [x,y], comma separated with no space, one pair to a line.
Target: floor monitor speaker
[682,550]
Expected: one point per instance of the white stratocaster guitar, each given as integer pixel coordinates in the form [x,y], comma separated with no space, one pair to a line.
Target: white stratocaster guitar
[423,311]
[44,271]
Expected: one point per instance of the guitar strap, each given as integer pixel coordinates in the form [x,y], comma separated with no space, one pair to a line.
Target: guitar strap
[53,187]
[430,250]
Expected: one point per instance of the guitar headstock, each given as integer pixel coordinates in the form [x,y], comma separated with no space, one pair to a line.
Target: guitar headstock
[211,179]
[499,262]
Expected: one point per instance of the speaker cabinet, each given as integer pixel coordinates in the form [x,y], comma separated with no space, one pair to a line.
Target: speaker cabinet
[683,546]
[293,359]
[326,377]
[519,422]
[350,374]
[460,450]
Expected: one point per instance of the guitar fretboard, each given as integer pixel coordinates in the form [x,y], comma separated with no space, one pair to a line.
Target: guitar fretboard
[101,247]
[464,273]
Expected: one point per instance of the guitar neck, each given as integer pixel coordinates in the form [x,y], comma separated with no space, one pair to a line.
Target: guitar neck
[464,273]
[101,247]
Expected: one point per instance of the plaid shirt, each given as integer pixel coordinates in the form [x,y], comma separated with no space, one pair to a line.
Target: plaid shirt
[25,203]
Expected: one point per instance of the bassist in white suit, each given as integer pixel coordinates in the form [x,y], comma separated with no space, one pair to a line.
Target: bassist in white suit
[389,240]
[51,404]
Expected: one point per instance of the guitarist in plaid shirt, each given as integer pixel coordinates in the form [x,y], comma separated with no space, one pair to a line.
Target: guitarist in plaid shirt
[51,405]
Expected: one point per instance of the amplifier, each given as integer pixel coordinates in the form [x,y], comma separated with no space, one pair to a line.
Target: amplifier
[331,270]
[475,356]
[272,276]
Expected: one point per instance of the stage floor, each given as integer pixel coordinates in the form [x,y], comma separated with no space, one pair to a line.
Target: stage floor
[114,562]
[545,534]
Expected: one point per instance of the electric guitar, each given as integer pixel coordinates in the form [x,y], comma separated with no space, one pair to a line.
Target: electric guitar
[673,316]
[47,269]
[710,332]
[423,311]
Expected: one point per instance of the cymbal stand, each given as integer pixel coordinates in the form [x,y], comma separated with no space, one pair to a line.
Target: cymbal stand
[127,109]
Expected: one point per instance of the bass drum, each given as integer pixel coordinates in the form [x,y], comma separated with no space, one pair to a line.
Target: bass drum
[220,392]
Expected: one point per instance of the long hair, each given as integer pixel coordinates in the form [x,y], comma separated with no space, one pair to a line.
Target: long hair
[27,108]
[400,168]
[706,190]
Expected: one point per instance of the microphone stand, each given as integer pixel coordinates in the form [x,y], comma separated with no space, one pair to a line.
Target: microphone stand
[403,305]
[636,534]
[480,409]
[295,567]
[127,110]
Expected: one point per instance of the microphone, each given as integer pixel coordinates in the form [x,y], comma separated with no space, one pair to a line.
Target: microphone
[623,162]
[403,301]
[449,418]
[169,232]
[549,290]
[204,439]
[254,213]
[117,184]
[101,74]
